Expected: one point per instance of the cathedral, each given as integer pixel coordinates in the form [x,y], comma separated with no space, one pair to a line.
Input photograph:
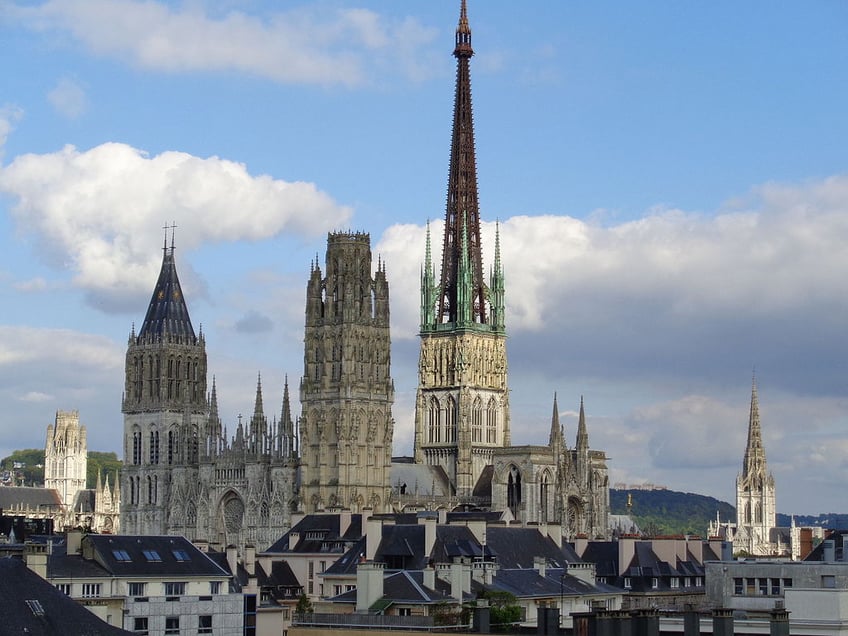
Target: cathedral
[347,390]
[185,475]
[755,532]
[65,466]
[462,420]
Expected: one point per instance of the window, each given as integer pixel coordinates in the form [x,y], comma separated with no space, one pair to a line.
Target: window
[787,583]
[214,587]
[121,555]
[35,607]
[739,586]
[775,587]
[763,587]
[627,583]
[675,582]
[828,581]
[90,590]
[140,624]
[64,588]
[175,589]
[152,556]
[204,624]
[172,625]
[337,589]
[655,583]
[137,589]
[180,555]
[699,582]
[404,611]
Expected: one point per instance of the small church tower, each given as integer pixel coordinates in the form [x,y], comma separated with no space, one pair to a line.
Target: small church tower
[66,456]
[347,390]
[164,403]
[755,496]
[462,404]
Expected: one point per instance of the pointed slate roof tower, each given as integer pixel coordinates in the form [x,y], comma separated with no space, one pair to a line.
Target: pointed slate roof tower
[462,408]
[167,314]
[755,492]
[165,402]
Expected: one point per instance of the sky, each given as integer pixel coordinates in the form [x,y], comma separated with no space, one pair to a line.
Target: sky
[670,180]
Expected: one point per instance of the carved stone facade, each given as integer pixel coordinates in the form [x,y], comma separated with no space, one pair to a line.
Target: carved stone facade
[462,420]
[66,456]
[347,391]
[555,483]
[65,468]
[182,473]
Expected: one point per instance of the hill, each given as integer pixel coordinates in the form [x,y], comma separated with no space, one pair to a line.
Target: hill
[661,512]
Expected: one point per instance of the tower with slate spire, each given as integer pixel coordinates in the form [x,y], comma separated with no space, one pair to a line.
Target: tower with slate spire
[183,474]
[462,403]
[164,403]
[346,392]
[755,493]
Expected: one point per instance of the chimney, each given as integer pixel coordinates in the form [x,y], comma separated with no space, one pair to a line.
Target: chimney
[430,577]
[443,516]
[369,584]
[626,550]
[555,533]
[727,550]
[580,544]
[250,559]
[232,559]
[74,542]
[460,579]
[344,521]
[35,555]
[428,520]
[374,534]
[540,564]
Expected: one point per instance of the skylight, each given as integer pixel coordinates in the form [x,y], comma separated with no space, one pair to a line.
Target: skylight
[121,555]
[151,555]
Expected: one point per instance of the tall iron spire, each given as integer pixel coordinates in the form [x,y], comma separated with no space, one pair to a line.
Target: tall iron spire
[462,213]
[167,314]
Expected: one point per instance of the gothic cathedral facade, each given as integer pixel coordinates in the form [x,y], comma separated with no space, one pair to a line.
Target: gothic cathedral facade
[462,403]
[347,391]
[462,419]
[182,473]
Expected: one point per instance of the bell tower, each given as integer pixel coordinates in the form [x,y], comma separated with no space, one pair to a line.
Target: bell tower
[164,403]
[462,403]
[347,390]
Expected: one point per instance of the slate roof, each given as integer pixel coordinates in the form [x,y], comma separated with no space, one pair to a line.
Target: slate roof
[419,479]
[14,498]
[516,547]
[402,586]
[320,533]
[34,606]
[483,487]
[167,313]
[346,564]
[84,500]
[177,556]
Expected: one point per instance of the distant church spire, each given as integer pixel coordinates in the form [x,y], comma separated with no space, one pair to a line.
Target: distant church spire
[754,463]
[555,440]
[582,434]
[462,216]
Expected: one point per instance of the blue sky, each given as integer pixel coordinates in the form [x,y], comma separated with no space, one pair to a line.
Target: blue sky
[670,179]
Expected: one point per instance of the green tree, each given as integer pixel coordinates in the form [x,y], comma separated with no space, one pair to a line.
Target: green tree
[504,610]
[304,605]
[107,464]
[31,473]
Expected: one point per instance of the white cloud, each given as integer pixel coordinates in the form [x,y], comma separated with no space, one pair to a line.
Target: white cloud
[68,98]
[37,284]
[98,212]
[36,396]
[305,45]
[9,117]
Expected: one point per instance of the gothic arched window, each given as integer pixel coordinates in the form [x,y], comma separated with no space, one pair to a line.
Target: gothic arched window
[154,446]
[492,422]
[513,490]
[450,420]
[544,507]
[136,447]
[477,421]
[433,420]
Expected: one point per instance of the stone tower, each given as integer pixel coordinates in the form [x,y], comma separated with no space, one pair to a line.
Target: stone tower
[66,456]
[182,473]
[462,404]
[755,500]
[347,390]
[164,403]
